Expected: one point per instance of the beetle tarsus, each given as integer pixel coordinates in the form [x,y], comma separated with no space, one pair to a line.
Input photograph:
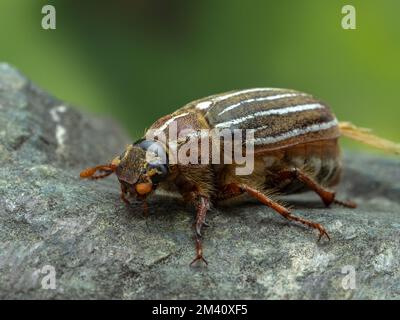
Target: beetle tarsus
[199,252]
[322,231]
[283,210]
[346,204]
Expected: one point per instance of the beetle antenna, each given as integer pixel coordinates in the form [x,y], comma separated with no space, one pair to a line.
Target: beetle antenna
[105,169]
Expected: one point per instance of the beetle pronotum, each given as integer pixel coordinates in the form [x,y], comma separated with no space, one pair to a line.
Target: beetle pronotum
[295,149]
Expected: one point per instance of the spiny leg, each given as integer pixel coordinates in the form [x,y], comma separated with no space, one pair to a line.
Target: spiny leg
[328,197]
[202,206]
[282,210]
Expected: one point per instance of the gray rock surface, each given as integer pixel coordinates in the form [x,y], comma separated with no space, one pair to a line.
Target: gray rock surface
[100,248]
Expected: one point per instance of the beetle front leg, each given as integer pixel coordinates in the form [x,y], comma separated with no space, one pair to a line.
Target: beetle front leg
[202,206]
[123,194]
[199,252]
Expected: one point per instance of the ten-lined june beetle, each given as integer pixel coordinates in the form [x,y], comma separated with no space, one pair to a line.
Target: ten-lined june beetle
[295,148]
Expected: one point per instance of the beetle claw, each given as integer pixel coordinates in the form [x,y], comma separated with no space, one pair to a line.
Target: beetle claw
[199,258]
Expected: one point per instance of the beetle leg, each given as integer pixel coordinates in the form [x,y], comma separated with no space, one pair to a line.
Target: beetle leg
[229,191]
[328,197]
[282,210]
[202,206]
[123,194]
[199,252]
[145,208]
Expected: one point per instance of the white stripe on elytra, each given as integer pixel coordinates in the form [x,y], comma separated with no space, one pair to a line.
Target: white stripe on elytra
[203,105]
[282,111]
[296,132]
[168,122]
[207,104]
[236,93]
[269,98]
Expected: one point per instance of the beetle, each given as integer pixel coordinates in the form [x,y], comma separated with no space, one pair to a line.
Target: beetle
[295,139]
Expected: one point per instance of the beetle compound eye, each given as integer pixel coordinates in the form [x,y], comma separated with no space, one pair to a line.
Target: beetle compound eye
[144,188]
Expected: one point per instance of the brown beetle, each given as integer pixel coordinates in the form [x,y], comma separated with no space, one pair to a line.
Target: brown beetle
[295,148]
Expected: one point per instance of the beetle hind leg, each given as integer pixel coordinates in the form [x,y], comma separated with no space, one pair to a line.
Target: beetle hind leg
[327,197]
[285,212]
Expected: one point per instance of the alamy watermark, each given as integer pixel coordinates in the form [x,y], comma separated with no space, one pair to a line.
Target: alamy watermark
[47,274]
[205,146]
[349,18]
[349,280]
[49,18]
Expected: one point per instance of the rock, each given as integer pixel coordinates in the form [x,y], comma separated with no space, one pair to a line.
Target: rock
[50,220]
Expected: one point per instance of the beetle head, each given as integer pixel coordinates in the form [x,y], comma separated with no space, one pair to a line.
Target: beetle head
[139,168]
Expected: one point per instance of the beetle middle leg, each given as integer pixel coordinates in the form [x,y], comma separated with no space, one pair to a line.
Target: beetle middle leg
[285,212]
[229,191]
[328,197]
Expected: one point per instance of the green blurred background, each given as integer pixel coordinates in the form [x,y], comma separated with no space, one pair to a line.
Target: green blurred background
[138,60]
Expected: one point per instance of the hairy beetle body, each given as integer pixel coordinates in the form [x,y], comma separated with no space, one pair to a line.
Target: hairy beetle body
[295,138]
